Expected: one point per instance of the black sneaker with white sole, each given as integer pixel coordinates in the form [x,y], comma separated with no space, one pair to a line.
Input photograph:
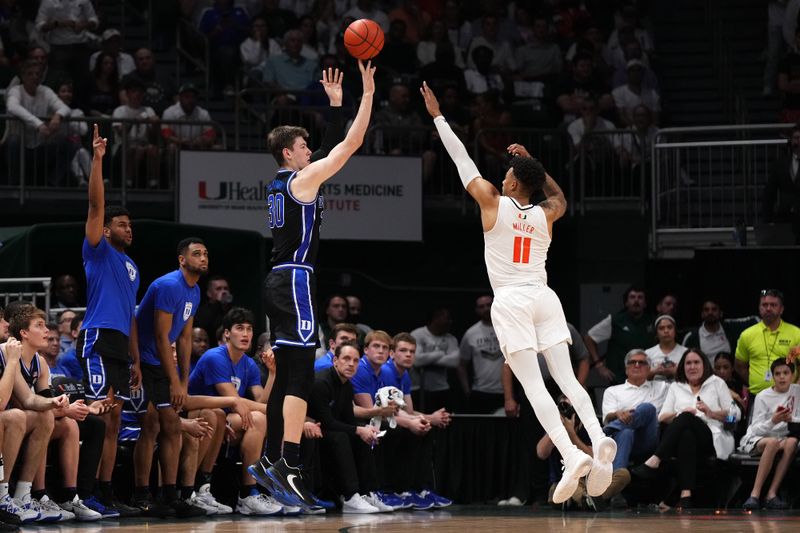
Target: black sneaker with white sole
[290,480]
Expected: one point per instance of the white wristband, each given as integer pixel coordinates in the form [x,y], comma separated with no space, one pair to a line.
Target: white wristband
[467,170]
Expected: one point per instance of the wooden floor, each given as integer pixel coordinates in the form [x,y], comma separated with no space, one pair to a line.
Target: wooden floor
[461,519]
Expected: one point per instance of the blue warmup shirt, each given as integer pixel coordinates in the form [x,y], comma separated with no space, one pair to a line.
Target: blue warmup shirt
[69,365]
[326,361]
[215,366]
[390,375]
[112,280]
[365,380]
[171,294]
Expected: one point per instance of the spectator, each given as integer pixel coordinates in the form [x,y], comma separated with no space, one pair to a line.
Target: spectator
[417,20]
[428,48]
[437,350]
[50,76]
[159,90]
[68,362]
[522,28]
[354,309]
[782,192]
[490,116]
[628,97]
[341,333]
[768,435]
[290,70]
[65,291]
[480,352]
[67,27]
[546,450]
[190,137]
[398,54]
[63,329]
[200,345]
[279,20]
[226,26]
[138,138]
[45,150]
[459,31]
[590,121]
[112,45]
[635,147]
[100,95]
[630,411]
[724,369]
[346,443]
[539,59]
[762,343]
[579,85]
[696,404]
[503,56]
[258,46]
[716,334]
[335,313]
[53,342]
[624,330]
[630,21]
[395,124]
[444,71]
[364,9]
[664,356]
[789,81]
[218,302]
[631,51]
[480,79]
[75,131]
[312,47]
[413,437]
[776,12]
[667,305]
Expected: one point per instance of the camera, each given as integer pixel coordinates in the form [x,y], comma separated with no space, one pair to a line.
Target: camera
[566,409]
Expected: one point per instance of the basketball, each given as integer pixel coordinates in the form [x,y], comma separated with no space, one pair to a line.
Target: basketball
[363,39]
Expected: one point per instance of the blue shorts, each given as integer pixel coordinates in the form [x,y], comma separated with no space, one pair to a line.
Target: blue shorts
[103,354]
[289,295]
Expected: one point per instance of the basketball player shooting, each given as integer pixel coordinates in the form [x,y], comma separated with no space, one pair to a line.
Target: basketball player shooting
[294,215]
[526,313]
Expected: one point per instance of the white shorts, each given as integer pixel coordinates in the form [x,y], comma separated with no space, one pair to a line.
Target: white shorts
[528,317]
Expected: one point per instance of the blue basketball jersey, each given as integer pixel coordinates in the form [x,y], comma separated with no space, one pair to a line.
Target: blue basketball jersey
[215,366]
[112,280]
[171,294]
[294,224]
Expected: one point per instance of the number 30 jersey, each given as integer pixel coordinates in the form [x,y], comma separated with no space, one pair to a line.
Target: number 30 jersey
[294,224]
[516,247]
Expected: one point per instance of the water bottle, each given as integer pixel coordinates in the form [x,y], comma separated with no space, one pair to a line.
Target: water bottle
[730,418]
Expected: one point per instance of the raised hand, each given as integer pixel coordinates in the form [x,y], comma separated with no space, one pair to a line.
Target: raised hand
[518,149]
[332,83]
[98,143]
[431,103]
[367,76]
[13,350]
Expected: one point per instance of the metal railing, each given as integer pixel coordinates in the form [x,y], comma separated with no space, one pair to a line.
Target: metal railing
[25,290]
[711,179]
[63,159]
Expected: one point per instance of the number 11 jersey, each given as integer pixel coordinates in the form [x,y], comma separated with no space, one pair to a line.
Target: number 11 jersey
[516,247]
[294,224]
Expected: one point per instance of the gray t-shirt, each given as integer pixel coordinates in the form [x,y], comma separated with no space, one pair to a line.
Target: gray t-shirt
[480,347]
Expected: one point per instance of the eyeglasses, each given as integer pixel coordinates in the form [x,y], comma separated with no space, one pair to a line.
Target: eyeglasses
[638,362]
[772,292]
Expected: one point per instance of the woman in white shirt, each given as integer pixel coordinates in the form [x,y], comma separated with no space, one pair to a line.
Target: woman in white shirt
[255,49]
[696,404]
[665,355]
[768,434]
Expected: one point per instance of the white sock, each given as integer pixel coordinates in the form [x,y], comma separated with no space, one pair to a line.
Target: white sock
[3,490]
[525,365]
[23,489]
[560,366]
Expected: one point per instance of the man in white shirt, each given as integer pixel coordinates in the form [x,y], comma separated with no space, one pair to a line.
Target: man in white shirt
[67,26]
[716,334]
[481,351]
[437,351]
[590,121]
[630,410]
[628,96]
[138,137]
[44,147]
[112,44]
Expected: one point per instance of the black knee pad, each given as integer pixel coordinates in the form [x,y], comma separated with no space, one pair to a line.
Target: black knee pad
[299,364]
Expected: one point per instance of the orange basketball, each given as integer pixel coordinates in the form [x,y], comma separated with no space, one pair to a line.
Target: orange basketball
[363,39]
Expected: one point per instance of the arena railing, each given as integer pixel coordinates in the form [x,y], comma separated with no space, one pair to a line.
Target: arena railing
[26,289]
[708,182]
[63,161]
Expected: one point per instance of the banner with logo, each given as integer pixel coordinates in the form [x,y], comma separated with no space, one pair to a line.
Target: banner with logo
[371,198]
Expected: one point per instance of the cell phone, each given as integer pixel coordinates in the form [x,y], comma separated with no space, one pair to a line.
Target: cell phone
[782,408]
[380,434]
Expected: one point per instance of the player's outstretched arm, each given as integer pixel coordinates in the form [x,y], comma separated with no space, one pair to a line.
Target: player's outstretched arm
[308,180]
[334,132]
[97,206]
[481,190]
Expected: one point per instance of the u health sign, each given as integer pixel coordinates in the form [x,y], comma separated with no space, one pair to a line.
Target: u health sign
[371,198]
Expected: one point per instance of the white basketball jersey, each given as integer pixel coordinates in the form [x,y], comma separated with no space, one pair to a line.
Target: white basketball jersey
[516,247]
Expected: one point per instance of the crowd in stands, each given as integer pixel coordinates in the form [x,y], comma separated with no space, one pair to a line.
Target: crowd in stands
[582,67]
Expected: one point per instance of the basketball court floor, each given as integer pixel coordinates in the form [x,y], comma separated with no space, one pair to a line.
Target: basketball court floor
[463,519]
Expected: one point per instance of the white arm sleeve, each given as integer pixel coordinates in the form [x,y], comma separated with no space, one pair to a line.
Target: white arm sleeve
[467,170]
